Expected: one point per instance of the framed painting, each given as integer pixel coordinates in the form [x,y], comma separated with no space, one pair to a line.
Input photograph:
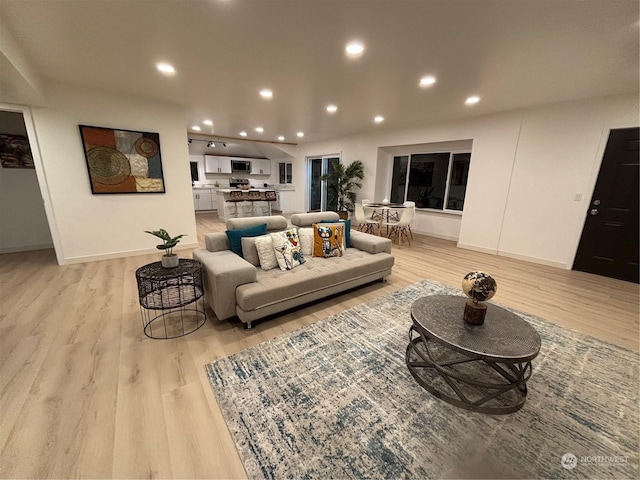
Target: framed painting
[122,161]
[15,151]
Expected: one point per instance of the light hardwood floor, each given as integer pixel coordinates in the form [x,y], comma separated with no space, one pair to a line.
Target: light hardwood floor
[85,394]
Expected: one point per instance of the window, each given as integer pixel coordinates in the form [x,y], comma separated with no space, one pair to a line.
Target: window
[432,180]
[285,173]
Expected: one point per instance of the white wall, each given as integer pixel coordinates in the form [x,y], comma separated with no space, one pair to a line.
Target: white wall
[23,223]
[94,227]
[558,157]
[526,167]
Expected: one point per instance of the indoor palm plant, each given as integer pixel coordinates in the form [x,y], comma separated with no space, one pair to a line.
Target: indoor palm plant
[169,259]
[342,181]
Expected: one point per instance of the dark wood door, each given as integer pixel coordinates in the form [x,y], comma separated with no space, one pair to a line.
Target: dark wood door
[609,242]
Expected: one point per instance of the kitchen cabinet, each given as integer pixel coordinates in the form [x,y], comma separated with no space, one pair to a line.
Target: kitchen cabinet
[260,166]
[203,199]
[214,164]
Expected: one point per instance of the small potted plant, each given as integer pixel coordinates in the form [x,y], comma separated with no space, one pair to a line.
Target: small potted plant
[169,259]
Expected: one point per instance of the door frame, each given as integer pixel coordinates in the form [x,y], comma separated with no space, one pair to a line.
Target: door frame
[40,174]
[593,179]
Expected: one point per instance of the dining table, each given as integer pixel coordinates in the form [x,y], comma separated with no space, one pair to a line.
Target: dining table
[386,213]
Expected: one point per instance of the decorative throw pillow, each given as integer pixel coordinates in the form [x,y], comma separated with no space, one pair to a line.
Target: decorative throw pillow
[249,251]
[327,240]
[286,246]
[264,246]
[347,230]
[235,236]
[306,240]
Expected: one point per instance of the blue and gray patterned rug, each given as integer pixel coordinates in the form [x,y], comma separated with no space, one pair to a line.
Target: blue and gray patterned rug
[335,400]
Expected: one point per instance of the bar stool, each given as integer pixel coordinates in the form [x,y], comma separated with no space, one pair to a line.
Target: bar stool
[234,199]
[270,196]
[250,209]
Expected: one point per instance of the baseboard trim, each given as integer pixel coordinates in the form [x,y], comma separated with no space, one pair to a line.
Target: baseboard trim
[130,253]
[515,256]
[475,248]
[540,261]
[435,235]
[26,248]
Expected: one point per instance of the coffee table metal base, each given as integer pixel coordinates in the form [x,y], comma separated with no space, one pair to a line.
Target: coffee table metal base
[466,380]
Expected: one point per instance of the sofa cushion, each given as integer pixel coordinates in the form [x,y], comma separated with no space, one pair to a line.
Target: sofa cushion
[317,273]
[308,219]
[327,240]
[274,223]
[249,251]
[286,246]
[264,246]
[235,236]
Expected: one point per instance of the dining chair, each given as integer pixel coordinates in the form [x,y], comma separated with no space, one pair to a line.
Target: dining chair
[370,212]
[410,204]
[365,224]
[400,230]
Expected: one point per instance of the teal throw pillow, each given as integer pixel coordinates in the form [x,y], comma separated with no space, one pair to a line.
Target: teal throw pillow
[235,236]
[347,230]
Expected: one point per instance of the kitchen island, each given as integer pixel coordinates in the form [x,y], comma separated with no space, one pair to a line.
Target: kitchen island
[237,203]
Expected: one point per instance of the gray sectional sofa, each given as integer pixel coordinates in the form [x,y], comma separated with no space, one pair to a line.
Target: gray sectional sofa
[235,287]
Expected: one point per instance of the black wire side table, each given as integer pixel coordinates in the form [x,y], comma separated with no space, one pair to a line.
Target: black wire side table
[171,299]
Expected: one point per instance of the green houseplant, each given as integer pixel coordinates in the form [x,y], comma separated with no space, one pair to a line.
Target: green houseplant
[169,259]
[342,181]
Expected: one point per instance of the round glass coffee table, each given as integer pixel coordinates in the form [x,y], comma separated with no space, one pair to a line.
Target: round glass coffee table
[482,368]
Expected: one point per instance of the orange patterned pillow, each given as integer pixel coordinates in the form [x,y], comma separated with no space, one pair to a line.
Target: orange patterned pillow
[327,240]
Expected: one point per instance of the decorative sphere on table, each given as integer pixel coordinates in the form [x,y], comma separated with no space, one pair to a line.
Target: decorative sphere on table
[478,286]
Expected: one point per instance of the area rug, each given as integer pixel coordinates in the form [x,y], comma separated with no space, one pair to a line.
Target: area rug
[336,400]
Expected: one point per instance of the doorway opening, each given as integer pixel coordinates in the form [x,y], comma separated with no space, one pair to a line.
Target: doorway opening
[317,167]
[26,211]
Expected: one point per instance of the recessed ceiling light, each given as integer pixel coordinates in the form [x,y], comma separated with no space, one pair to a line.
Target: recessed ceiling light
[243,134]
[208,122]
[472,100]
[266,93]
[354,49]
[196,128]
[166,68]
[300,134]
[281,138]
[332,108]
[378,118]
[259,129]
[427,81]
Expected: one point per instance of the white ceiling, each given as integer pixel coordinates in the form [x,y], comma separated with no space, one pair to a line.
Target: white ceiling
[512,53]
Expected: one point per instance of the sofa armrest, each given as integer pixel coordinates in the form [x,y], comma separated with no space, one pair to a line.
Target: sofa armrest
[370,243]
[217,242]
[223,271]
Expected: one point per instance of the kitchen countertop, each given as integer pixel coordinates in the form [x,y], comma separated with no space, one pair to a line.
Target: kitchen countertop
[227,190]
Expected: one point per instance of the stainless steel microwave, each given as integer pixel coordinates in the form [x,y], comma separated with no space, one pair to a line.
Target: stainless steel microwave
[240,166]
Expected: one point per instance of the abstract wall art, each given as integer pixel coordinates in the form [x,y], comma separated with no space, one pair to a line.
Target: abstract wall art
[122,161]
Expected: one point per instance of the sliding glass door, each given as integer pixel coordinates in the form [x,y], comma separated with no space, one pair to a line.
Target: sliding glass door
[316,168]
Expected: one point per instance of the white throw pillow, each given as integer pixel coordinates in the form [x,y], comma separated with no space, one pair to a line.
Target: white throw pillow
[286,247]
[264,246]
[306,240]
